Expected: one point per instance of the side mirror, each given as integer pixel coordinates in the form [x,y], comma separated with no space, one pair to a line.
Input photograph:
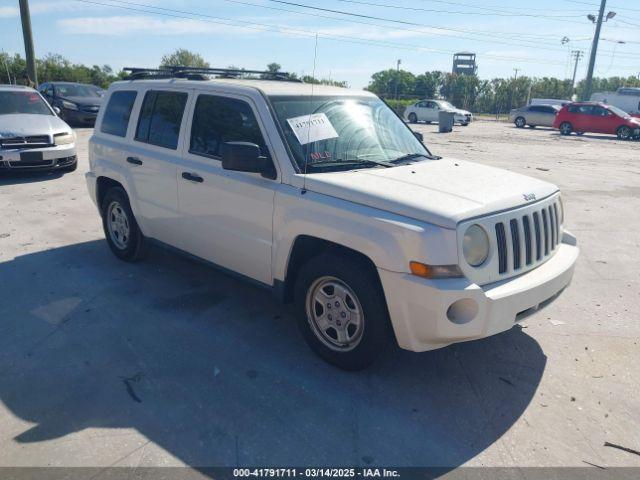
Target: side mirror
[246,157]
[57,110]
[419,136]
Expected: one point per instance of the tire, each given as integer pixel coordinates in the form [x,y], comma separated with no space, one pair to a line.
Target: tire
[465,124]
[121,230]
[566,128]
[413,118]
[624,133]
[351,290]
[520,122]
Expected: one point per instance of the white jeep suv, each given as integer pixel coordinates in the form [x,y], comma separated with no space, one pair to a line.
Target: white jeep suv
[325,196]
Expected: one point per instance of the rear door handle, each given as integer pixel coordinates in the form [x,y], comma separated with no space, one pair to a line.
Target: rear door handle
[134,160]
[192,177]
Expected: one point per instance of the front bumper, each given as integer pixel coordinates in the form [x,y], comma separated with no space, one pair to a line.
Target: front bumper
[52,158]
[79,117]
[460,118]
[424,316]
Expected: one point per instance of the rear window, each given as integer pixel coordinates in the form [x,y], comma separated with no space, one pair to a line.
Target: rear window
[117,113]
[160,118]
[27,102]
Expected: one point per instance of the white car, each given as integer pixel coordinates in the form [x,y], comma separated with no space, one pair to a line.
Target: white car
[31,134]
[323,195]
[429,111]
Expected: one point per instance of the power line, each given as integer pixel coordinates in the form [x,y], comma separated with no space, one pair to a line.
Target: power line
[484,12]
[182,14]
[270,27]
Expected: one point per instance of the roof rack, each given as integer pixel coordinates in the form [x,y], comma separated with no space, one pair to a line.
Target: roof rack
[197,73]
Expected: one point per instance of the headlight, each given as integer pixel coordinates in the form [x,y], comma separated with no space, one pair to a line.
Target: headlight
[69,105]
[64,138]
[475,245]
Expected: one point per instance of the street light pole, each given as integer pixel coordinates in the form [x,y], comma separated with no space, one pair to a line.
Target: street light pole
[594,49]
[28,41]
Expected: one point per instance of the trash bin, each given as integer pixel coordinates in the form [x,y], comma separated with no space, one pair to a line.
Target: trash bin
[445,121]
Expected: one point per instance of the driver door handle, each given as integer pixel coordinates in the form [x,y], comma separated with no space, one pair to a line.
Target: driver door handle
[192,177]
[134,160]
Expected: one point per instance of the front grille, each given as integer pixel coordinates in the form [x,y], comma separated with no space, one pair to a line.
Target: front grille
[31,163]
[34,141]
[527,239]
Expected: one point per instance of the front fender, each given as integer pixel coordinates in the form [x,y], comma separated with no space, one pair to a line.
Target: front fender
[390,241]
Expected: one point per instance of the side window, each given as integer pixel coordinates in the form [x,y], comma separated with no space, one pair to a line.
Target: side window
[422,105]
[160,118]
[217,120]
[117,113]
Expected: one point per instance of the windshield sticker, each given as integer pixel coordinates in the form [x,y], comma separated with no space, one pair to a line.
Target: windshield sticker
[320,156]
[312,128]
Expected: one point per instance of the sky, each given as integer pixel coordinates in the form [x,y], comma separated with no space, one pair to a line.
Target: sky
[423,34]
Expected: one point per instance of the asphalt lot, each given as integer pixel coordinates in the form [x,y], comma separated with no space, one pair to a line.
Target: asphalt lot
[169,362]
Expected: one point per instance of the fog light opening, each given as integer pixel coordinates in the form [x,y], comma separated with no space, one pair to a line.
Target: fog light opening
[462,311]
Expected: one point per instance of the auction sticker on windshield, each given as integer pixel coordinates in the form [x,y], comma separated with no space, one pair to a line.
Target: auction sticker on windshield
[312,128]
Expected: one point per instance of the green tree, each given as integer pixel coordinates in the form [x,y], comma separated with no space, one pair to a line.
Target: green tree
[183,58]
[427,85]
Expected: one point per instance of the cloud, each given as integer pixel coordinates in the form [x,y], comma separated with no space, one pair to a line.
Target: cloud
[7,12]
[135,25]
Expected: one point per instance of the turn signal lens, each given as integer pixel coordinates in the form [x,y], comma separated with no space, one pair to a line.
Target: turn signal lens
[435,271]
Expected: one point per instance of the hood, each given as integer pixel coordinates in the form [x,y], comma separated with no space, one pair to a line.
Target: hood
[83,100]
[22,125]
[442,192]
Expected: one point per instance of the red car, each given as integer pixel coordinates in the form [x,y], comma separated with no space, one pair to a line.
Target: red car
[581,117]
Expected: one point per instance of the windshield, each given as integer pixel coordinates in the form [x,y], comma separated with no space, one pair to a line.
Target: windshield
[72,90]
[445,105]
[618,111]
[23,102]
[343,132]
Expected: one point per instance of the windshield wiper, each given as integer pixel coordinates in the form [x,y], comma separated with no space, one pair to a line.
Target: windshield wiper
[412,156]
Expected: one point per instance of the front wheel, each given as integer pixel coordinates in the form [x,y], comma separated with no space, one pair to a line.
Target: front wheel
[565,128]
[124,237]
[341,310]
[520,122]
[624,133]
[413,118]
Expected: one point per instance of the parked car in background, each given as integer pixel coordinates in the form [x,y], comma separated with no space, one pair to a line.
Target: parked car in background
[595,117]
[323,195]
[625,98]
[429,110]
[549,101]
[79,103]
[534,115]
[31,134]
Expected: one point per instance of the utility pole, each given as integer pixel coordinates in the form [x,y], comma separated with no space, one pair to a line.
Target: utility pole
[515,77]
[28,41]
[397,80]
[577,54]
[594,49]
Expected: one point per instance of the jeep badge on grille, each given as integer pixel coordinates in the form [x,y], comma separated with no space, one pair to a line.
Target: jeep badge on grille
[529,196]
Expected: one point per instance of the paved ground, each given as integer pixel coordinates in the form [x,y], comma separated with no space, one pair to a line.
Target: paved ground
[168,362]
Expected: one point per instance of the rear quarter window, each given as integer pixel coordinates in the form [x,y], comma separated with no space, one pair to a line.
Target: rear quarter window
[117,114]
[160,118]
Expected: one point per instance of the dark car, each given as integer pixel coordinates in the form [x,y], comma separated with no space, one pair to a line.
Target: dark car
[79,103]
[596,117]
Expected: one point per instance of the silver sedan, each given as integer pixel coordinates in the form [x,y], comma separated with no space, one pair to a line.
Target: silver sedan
[534,115]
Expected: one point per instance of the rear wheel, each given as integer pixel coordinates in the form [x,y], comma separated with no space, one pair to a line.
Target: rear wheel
[124,237]
[341,310]
[520,122]
[413,118]
[624,133]
[566,128]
